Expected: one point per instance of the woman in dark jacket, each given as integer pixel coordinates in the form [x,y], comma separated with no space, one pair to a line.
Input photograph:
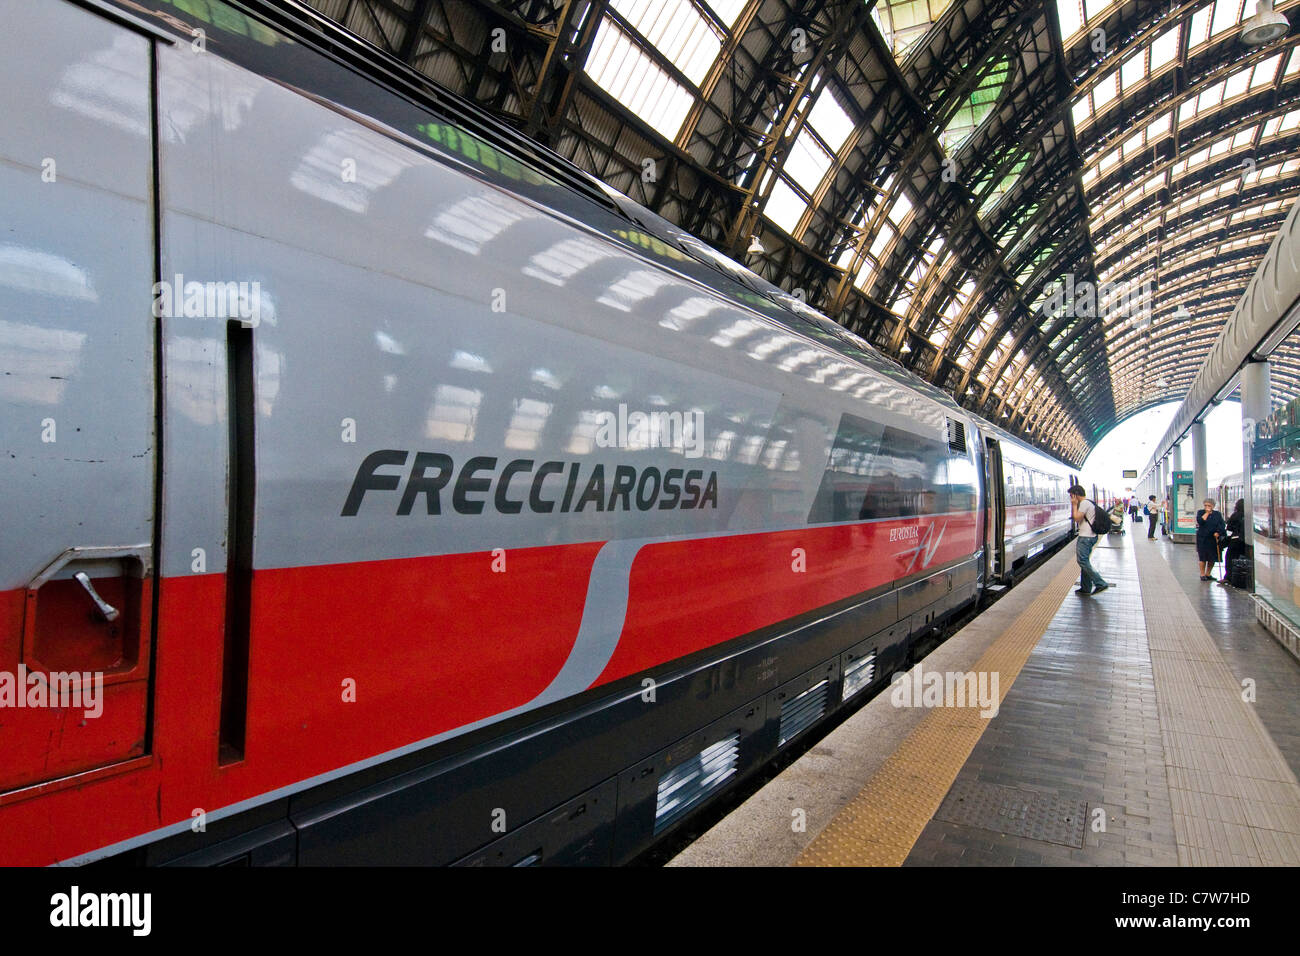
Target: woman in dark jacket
[1210,528]
[1236,540]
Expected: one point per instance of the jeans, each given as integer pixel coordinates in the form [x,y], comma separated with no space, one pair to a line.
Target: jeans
[1089,579]
[1151,526]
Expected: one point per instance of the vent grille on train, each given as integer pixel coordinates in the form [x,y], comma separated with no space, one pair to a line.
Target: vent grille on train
[800,713]
[858,675]
[956,436]
[684,786]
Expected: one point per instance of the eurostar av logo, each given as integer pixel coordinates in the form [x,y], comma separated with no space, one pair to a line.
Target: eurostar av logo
[925,547]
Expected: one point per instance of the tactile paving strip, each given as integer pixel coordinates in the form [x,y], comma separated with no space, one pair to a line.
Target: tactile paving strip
[880,825]
[1015,812]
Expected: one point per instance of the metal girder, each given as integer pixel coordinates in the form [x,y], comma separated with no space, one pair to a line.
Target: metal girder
[561,67]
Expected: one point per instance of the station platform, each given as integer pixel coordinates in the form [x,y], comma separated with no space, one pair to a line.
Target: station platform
[1154,724]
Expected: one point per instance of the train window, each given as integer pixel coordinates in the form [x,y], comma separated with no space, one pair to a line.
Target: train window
[878,471]
[962,492]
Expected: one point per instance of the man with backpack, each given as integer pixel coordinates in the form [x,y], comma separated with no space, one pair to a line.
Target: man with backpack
[1092,521]
[1153,512]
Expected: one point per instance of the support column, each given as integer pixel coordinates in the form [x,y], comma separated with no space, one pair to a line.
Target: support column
[1256,405]
[1200,481]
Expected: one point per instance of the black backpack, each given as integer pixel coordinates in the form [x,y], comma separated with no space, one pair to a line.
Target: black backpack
[1100,519]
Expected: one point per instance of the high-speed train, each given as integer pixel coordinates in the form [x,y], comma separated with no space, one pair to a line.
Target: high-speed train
[381,489]
[1275,500]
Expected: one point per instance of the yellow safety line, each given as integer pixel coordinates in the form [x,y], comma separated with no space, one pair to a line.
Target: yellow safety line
[881,824]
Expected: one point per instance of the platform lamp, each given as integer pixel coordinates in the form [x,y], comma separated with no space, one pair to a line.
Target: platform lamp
[1265,26]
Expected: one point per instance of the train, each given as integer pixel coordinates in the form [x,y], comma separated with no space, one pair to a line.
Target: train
[1274,478]
[1275,500]
[381,489]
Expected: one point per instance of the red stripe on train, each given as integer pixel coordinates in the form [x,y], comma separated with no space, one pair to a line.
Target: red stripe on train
[432,644]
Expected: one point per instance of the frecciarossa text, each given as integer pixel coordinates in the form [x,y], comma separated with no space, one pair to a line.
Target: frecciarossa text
[525,484]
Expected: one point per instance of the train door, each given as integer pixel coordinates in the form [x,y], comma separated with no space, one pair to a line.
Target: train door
[77,397]
[995,536]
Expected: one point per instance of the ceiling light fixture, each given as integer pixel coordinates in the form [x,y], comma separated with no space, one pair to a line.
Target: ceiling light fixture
[755,247]
[1265,26]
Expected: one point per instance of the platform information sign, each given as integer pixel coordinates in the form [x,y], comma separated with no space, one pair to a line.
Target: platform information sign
[1185,504]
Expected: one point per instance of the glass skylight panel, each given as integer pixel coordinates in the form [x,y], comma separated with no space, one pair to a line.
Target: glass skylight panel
[1293,64]
[1237,84]
[784,206]
[1199,34]
[1134,70]
[1081,111]
[1165,48]
[1210,98]
[1004,187]
[903,22]
[977,107]
[807,162]
[1159,127]
[727,10]
[1092,9]
[1069,13]
[1105,92]
[629,75]
[677,30]
[1194,106]
[865,272]
[900,210]
[1227,15]
[830,121]
[1265,71]
[882,239]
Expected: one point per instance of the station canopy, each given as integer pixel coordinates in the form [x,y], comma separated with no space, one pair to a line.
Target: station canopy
[1047,207]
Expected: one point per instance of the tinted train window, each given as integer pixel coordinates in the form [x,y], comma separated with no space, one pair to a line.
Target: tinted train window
[878,471]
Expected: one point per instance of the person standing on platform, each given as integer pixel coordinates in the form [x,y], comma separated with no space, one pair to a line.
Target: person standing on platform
[1084,511]
[1236,540]
[1210,529]
[1153,512]
[1117,512]
[1167,517]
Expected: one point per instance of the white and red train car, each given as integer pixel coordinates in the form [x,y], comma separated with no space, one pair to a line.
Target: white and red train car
[390,492]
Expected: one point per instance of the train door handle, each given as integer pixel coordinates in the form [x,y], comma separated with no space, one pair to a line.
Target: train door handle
[109,612]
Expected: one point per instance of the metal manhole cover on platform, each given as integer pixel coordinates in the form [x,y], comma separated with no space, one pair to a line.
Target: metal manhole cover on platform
[1023,813]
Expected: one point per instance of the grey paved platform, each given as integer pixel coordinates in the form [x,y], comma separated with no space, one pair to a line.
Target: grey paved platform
[1081,726]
